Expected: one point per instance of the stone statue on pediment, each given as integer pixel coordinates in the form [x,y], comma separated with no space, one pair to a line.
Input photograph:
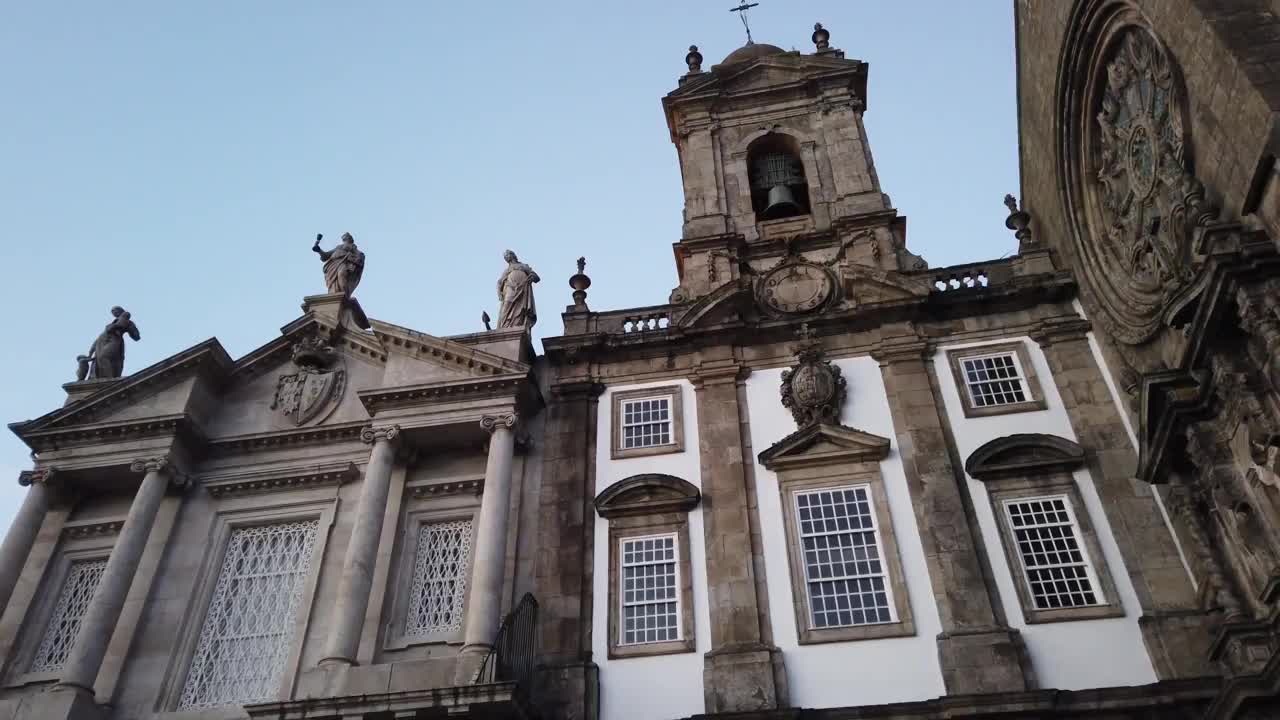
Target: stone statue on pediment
[106,356]
[515,291]
[343,265]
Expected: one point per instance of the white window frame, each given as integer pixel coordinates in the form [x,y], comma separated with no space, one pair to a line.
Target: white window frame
[1077,536]
[621,399]
[676,587]
[669,421]
[1020,377]
[1033,397]
[241,513]
[885,570]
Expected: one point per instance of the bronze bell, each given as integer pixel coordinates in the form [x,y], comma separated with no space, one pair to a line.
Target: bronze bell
[781,203]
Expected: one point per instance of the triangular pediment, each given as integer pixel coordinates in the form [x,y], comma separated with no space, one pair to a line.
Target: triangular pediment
[162,391]
[458,359]
[1024,454]
[824,444]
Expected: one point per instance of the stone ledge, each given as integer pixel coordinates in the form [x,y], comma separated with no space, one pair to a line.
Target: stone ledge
[492,700]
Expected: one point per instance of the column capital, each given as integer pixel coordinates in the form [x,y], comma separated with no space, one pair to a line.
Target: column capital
[704,375]
[489,423]
[900,349]
[161,464]
[44,476]
[1060,329]
[370,434]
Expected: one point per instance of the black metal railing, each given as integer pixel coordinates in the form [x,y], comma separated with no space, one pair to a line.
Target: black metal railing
[511,658]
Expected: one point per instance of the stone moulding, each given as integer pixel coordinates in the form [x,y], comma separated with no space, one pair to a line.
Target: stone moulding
[648,494]
[445,352]
[414,395]
[259,481]
[257,442]
[100,528]
[1024,454]
[823,444]
[473,486]
[102,433]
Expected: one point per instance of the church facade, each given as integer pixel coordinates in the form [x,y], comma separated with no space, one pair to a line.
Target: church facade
[821,480]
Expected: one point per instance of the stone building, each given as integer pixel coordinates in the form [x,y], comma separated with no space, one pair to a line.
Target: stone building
[823,480]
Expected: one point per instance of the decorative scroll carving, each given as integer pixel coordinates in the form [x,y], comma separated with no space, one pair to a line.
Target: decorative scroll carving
[161,464]
[813,390]
[315,387]
[489,423]
[45,476]
[370,434]
[1186,502]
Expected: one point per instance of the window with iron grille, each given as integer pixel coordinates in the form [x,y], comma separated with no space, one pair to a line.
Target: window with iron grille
[646,422]
[844,568]
[440,569]
[1057,567]
[247,633]
[650,580]
[994,380]
[69,609]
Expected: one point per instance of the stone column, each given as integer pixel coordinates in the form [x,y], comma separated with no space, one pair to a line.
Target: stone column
[81,669]
[1169,603]
[484,601]
[742,672]
[22,533]
[977,651]
[362,550]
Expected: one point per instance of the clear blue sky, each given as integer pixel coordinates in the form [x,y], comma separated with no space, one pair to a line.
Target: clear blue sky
[177,158]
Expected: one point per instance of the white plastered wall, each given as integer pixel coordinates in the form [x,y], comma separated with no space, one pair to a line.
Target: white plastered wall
[1066,655]
[662,686]
[863,672]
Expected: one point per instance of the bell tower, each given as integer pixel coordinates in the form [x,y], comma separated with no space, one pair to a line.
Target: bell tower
[774,157]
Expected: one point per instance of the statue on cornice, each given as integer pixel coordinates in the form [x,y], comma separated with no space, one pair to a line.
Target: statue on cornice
[343,265]
[515,291]
[106,356]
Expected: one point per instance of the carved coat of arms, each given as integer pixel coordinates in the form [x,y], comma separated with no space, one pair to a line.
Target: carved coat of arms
[315,387]
[813,390]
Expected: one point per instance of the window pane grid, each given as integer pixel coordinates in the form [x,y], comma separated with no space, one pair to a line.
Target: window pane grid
[440,572]
[1057,569]
[244,642]
[843,562]
[650,590]
[646,422]
[69,609]
[994,380]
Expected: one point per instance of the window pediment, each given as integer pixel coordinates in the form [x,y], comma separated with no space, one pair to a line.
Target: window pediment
[824,444]
[648,494]
[1024,454]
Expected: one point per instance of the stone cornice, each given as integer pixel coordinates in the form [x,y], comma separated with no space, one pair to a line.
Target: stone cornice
[109,432]
[1060,329]
[208,355]
[648,494]
[502,386]
[1024,455]
[279,439]
[100,528]
[473,486]
[247,482]
[448,353]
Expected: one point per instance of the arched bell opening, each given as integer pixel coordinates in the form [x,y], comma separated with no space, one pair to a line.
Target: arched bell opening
[779,188]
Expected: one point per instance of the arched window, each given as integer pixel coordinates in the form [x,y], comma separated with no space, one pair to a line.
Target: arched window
[778,185]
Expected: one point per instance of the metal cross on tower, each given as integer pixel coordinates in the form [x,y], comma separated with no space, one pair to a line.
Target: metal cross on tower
[742,13]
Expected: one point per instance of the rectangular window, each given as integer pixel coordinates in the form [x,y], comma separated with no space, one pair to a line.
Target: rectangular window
[650,590]
[440,570]
[646,423]
[1057,568]
[69,609]
[994,380]
[843,561]
[244,643]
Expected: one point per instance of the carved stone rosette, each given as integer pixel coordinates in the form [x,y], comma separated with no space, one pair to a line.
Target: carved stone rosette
[813,390]
[387,433]
[489,423]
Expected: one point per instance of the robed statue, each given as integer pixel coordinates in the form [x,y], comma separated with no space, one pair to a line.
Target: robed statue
[106,357]
[515,291]
[343,265]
